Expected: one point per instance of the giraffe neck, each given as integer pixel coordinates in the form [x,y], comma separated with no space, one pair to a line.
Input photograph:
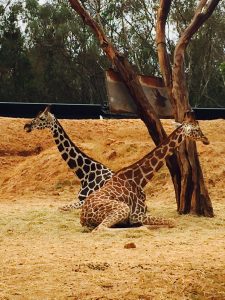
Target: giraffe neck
[143,170]
[74,157]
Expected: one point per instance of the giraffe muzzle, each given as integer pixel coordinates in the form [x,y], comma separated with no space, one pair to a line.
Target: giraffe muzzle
[205,140]
[27,127]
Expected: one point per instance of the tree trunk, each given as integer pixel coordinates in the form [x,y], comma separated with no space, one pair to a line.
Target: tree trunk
[146,111]
[192,195]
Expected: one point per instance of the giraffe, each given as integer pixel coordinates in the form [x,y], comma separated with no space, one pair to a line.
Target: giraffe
[92,174]
[121,200]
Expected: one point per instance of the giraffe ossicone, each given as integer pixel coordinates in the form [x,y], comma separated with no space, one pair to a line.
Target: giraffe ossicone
[122,200]
[91,173]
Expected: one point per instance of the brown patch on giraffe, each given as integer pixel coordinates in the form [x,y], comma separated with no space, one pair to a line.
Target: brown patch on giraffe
[128,173]
[144,181]
[121,176]
[146,168]
[138,180]
[159,165]
[154,161]
[180,138]
[149,175]
[116,179]
[161,152]
[136,172]
[172,144]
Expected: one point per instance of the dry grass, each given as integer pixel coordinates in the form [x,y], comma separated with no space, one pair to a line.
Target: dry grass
[46,254]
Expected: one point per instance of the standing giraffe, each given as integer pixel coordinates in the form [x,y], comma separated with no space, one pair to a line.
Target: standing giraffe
[91,173]
[121,200]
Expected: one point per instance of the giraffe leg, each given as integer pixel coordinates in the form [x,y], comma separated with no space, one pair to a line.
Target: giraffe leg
[118,214]
[153,222]
[75,205]
[158,222]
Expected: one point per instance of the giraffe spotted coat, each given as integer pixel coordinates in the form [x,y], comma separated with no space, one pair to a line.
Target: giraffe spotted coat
[91,173]
[121,200]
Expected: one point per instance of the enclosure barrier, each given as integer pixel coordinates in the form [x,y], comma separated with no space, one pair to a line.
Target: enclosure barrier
[86,111]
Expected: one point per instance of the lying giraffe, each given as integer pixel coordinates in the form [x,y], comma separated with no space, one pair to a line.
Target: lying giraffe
[91,173]
[121,200]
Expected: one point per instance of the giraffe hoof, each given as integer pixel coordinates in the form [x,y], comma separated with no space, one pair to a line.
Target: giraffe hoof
[100,228]
[63,208]
[70,207]
[171,223]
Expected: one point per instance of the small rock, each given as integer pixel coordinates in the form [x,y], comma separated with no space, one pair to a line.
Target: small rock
[109,142]
[55,194]
[211,182]
[129,245]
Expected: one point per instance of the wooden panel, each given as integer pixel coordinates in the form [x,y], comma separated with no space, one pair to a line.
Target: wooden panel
[120,100]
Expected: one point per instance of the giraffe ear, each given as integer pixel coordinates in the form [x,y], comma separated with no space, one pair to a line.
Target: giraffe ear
[47,109]
[176,124]
[189,115]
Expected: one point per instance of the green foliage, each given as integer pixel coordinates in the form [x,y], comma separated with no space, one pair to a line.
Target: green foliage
[51,57]
[15,69]
[47,54]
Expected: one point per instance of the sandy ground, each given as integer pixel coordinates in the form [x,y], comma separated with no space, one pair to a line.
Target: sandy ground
[46,254]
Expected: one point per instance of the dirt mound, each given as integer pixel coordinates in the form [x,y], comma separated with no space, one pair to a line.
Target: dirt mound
[31,162]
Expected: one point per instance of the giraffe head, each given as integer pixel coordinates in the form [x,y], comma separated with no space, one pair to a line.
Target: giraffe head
[192,130]
[44,119]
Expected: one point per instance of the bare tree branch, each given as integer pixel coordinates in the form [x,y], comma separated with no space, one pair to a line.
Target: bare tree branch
[180,91]
[129,77]
[163,57]
[203,12]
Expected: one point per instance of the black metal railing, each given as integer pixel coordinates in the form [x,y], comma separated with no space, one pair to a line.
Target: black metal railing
[85,111]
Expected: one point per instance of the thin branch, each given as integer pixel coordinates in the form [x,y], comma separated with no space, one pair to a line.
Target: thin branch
[203,12]
[141,36]
[7,4]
